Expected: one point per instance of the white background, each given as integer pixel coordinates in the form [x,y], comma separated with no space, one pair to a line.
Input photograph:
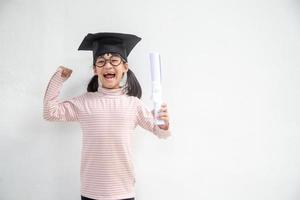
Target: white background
[231,81]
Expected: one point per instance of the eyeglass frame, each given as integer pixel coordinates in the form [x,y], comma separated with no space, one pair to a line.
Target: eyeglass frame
[109,59]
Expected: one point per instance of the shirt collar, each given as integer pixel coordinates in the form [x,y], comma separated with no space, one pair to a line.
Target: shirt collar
[113,92]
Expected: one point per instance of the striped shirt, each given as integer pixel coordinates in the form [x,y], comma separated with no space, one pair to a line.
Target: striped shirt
[107,119]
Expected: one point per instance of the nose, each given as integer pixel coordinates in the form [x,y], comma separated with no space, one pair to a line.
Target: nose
[107,65]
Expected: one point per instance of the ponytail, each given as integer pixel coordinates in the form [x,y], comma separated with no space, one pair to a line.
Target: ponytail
[132,85]
[93,84]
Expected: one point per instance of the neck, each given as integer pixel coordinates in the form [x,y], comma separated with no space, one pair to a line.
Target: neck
[111,91]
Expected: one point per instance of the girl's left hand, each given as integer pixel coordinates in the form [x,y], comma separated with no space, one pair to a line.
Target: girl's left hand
[164,115]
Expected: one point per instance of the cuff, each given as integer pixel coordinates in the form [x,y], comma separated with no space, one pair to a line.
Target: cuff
[161,133]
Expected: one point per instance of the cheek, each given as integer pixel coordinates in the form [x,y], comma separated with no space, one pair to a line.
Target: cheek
[98,72]
[119,76]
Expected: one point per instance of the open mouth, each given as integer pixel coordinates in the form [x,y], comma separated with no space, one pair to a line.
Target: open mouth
[109,76]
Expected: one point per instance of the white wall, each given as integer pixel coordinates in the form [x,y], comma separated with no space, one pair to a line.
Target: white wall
[231,81]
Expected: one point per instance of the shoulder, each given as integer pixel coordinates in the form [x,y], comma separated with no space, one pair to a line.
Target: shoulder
[141,105]
[80,97]
[136,100]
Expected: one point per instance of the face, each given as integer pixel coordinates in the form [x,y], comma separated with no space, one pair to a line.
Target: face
[110,74]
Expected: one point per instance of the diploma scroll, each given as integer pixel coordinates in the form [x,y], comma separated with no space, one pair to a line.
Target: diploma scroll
[155,65]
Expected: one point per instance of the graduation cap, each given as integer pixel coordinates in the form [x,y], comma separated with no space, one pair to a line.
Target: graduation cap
[105,42]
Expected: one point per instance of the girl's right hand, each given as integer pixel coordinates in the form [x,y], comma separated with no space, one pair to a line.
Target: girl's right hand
[66,72]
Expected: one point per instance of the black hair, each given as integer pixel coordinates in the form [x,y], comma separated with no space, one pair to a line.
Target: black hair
[132,86]
[93,84]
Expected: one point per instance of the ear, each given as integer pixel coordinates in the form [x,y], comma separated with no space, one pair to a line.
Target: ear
[95,70]
[125,67]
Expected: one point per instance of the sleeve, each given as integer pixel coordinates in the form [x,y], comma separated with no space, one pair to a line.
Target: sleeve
[53,109]
[145,119]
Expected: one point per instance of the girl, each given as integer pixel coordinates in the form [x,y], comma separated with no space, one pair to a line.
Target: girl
[108,113]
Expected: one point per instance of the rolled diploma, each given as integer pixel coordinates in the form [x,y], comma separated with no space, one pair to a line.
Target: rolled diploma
[156,85]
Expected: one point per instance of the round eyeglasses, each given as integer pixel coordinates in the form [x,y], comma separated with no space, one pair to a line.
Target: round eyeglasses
[114,60]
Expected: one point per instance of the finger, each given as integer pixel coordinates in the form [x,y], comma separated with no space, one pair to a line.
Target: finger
[68,71]
[163,112]
[65,68]
[164,118]
[164,115]
[64,73]
[165,109]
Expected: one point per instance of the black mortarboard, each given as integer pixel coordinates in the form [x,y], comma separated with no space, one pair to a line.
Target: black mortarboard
[105,42]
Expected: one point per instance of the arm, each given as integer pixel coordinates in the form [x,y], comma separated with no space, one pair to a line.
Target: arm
[53,109]
[145,119]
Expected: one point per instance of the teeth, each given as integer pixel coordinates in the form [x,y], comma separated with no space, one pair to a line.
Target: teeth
[109,75]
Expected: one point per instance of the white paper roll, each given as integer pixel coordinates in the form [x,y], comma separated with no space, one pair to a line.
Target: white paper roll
[155,69]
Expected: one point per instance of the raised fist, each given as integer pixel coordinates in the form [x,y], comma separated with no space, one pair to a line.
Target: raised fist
[66,72]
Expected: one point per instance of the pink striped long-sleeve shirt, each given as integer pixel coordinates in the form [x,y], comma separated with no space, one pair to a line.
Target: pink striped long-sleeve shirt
[107,118]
